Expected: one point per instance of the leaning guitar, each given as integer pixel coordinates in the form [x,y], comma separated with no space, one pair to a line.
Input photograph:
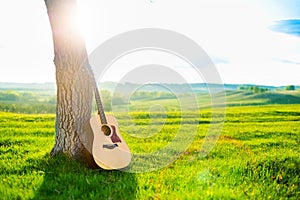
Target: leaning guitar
[109,149]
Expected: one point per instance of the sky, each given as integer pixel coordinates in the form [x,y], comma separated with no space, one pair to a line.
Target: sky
[249,41]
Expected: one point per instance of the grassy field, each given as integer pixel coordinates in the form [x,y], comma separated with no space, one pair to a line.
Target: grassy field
[44,102]
[256,157]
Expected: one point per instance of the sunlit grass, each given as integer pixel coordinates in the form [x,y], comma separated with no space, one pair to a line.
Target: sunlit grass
[256,157]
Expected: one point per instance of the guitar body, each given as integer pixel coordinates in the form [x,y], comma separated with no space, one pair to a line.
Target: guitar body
[108,148]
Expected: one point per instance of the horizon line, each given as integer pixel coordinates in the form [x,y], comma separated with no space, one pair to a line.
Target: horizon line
[254,84]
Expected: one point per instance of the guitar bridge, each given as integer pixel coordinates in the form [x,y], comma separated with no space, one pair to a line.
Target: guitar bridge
[110,146]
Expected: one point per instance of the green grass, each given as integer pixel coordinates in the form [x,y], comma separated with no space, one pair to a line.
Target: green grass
[256,157]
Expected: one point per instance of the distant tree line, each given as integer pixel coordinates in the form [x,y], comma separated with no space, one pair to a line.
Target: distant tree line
[290,87]
[256,89]
[151,95]
[27,102]
[253,88]
[14,96]
[28,108]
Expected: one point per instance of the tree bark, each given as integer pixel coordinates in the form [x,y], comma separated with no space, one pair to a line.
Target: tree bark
[74,88]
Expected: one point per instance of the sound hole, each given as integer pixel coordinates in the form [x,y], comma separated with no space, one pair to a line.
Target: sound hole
[106,130]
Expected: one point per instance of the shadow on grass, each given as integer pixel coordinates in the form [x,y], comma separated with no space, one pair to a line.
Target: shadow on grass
[68,179]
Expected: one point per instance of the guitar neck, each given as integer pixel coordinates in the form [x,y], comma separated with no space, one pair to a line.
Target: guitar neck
[100,106]
[97,96]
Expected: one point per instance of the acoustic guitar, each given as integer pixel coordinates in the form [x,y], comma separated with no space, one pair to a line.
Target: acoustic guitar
[108,148]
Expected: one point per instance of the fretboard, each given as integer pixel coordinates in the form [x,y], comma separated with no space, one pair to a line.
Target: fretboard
[99,105]
[97,96]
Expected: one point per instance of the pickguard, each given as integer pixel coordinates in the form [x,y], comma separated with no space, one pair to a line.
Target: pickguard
[114,137]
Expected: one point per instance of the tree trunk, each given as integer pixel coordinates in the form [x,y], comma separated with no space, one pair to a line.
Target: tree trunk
[74,88]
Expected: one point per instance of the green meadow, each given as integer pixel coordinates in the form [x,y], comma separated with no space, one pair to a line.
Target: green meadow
[257,156]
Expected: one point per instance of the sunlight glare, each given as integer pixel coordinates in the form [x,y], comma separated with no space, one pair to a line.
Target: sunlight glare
[84,19]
